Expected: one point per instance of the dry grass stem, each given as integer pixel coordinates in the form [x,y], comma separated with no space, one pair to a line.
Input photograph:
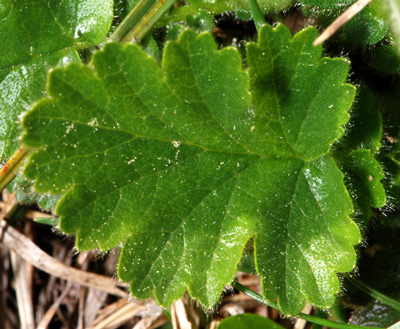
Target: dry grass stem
[301,323]
[181,318]
[23,287]
[152,322]
[121,312]
[93,302]
[27,250]
[44,323]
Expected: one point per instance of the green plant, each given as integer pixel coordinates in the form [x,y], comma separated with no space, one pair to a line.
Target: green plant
[185,162]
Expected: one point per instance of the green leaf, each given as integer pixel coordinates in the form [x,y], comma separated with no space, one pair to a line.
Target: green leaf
[386,60]
[33,28]
[265,5]
[392,10]
[355,155]
[240,7]
[247,321]
[176,163]
[364,178]
[392,178]
[20,86]
[388,301]
[304,118]
[36,36]
[366,28]
[365,126]
[200,21]
[296,124]
[26,194]
[389,155]
[327,4]
[123,7]
[379,267]
[375,314]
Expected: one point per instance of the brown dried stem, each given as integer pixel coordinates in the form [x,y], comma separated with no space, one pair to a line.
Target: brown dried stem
[29,251]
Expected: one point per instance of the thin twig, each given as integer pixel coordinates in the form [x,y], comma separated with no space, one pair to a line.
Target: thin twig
[45,321]
[353,10]
[121,312]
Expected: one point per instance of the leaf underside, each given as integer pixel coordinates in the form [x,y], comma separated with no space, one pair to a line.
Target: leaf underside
[183,167]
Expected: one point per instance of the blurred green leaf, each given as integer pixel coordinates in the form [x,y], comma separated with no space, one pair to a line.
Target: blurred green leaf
[248,321]
[379,267]
[391,8]
[366,28]
[265,5]
[327,4]
[386,60]
[241,7]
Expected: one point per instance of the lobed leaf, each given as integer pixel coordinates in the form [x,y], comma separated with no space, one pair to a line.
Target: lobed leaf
[180,167]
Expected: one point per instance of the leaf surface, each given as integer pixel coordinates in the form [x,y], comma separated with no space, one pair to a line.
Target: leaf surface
[309,208]
[36,36]
[181,166]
